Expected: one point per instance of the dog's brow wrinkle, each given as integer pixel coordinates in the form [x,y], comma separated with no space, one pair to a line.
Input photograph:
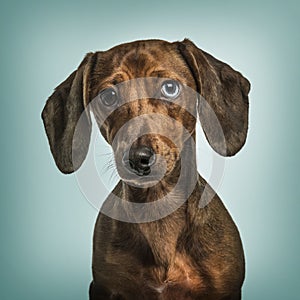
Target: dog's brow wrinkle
[159,73]
[119,77]
[136,61]
[125,67]
[151,70]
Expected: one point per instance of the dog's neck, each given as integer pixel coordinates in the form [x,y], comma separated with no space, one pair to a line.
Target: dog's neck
[162,234]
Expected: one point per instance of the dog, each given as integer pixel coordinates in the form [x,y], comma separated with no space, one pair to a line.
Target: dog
[193,251]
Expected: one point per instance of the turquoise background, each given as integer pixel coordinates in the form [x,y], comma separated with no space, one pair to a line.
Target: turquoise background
[46,224]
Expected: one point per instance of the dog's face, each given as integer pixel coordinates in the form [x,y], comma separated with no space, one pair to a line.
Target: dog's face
[141,95]
[143,106]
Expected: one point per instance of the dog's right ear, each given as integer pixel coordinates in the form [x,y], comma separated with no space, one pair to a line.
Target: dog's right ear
[61,114]
[223,106]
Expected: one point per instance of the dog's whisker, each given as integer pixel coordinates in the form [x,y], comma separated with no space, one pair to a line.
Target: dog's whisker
[109,163]
[109,166]
[104,154]
[113,177]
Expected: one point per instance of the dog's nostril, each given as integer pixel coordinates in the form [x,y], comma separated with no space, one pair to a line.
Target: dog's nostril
[131,164]
[145,161]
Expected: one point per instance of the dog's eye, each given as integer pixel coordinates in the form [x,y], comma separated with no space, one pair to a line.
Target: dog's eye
[109,97]
[170,89]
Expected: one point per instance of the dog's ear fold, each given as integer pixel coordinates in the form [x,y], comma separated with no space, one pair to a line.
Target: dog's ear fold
[61,114]
[225,99]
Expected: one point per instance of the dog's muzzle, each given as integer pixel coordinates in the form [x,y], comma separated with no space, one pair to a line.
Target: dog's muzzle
[139,160]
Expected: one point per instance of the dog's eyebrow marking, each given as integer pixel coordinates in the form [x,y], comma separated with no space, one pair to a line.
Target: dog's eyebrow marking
[115,79]
[159,73]
[120,77]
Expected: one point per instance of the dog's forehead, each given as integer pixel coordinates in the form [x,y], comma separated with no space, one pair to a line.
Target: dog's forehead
[149,58]
[142,52]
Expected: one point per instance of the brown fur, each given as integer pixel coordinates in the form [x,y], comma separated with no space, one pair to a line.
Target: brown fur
[193,253]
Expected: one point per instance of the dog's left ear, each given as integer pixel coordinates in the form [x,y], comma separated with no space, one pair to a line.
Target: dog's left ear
[68,138]
[225,99]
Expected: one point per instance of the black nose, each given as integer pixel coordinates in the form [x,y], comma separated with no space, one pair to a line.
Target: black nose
[141,159]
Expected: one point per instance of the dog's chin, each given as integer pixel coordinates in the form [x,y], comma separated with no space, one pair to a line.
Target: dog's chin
[142,184]
[156,176]
[141,181]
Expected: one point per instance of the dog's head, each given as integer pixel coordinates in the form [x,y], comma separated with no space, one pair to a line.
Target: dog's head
[141,96]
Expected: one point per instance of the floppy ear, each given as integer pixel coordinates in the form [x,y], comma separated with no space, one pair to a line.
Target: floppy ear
[61,114]
[224,99]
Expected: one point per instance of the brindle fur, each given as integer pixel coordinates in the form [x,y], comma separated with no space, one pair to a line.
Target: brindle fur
[193,253]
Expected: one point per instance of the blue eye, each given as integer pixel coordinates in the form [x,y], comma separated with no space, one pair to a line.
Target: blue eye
[170,89]
[109,97]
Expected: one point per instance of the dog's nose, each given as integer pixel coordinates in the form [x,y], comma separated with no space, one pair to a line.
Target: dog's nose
[141,159]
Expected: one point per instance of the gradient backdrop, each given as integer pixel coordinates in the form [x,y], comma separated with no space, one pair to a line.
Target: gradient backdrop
[46,224]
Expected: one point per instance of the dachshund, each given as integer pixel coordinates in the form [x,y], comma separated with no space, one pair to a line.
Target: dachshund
[141,95]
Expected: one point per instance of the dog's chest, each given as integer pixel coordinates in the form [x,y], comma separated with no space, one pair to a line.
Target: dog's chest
[162,236]
[181,280]
[173,276]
